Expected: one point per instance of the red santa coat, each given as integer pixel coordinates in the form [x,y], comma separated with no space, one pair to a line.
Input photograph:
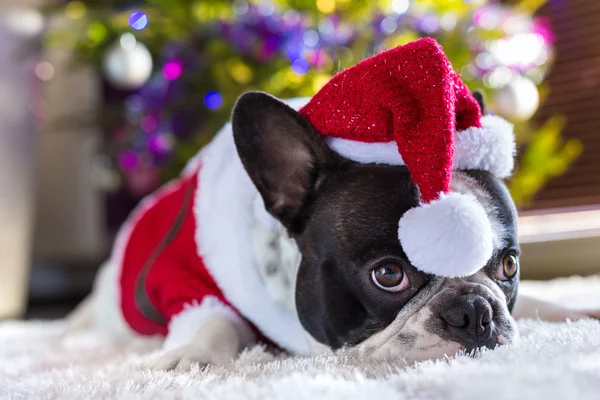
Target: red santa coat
[186,253]
[163,271]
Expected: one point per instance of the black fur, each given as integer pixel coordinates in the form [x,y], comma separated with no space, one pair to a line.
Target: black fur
[478,94]
[282,153]
[506,213]
[344,217]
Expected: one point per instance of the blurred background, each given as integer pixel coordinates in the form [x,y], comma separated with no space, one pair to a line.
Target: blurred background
[102,101]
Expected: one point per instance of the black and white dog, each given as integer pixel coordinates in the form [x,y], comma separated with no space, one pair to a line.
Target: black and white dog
[329,270]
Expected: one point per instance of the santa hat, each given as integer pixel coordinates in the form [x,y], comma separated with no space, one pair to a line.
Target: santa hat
[407,106]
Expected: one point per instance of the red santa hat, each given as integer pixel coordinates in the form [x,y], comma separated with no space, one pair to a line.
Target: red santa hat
[407,106]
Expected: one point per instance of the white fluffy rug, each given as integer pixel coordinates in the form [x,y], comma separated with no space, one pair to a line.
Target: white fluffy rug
[552,361]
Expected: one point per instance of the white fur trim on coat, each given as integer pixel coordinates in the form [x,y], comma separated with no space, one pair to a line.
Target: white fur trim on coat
[451,236]
[184,326]
[490,148]
[148,202]
[225,212]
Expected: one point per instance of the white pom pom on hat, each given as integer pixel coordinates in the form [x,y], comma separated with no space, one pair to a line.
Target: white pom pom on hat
[451,236]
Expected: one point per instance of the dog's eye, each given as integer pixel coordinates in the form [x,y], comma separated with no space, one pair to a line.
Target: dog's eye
[390,277]
[508,269]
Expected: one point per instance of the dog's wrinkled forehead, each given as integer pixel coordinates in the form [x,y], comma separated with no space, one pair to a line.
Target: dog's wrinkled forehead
[495,200]
[362,208]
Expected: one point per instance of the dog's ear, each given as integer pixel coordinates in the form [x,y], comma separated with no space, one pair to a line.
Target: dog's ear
[282,153]
[478,94]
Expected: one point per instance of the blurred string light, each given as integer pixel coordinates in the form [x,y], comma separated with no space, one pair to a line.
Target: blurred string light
[44,71]
[429,24]
[400,6]
[300,66]
[213,100]
[326,6]
[240,71]
[97,32]
[521,50]
[512,64]
[75,10]
[173,69]
[134,107]
[128,160]
[488,17]
[448,21]
[27,23]
[291,17]
[149,123]
[266,8]
[138,20]
[326,26]
[523,46]
[499,77]
[311,38]
[160,143]
[389,25]
[240,7]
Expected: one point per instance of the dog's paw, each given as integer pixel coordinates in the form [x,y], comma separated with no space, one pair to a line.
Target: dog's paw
[183,358]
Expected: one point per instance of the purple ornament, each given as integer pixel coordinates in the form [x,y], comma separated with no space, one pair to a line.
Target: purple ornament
[138,20]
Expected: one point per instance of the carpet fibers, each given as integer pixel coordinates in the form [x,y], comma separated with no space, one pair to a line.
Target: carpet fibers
[552,361]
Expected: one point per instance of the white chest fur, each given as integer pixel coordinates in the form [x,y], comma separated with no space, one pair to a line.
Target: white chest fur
[278,259]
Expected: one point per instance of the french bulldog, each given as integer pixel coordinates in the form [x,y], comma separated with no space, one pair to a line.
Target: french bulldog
[324,265]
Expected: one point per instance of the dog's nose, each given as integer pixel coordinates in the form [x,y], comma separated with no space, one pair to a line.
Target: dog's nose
[469,319]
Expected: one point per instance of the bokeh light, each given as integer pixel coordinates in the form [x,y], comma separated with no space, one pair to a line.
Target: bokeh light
[173,69]
[128,160]
[44,71]
[149,123]
[400,6]
[326,6]
[213,100]
[300,66]
[138,20]
[75,10]
[159,144]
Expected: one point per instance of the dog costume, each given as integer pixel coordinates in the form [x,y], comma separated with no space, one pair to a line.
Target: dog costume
[186,252]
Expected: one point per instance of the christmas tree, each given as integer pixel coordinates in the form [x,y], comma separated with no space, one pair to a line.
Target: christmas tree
[177,67]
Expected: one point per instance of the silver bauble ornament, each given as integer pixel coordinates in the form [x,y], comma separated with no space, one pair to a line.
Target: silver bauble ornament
[128,63]
[519,99]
